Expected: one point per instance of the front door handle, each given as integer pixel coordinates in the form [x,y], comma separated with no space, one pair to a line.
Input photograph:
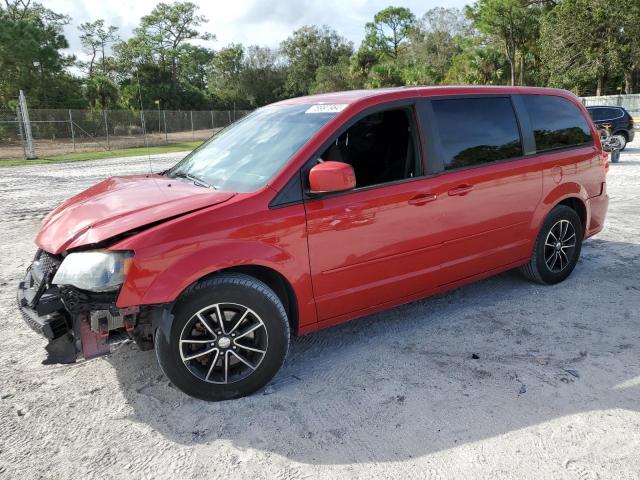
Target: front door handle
[422,199]
[461,189]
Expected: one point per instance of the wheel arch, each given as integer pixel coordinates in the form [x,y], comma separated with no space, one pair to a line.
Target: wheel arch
[269,276]
[274,280]
[576,204]
[622,132]
[570,194]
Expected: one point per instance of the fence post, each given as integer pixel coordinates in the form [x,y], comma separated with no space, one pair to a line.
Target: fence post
[30,152]
[193,134]
[106,128]
[73,133]
[229,112]
[164,117]
[143,124]
[213,123]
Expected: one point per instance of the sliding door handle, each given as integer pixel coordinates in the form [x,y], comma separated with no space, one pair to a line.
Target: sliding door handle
[422,199]
[461,189]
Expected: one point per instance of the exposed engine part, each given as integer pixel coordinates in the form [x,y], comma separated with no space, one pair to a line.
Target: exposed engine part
[103,321]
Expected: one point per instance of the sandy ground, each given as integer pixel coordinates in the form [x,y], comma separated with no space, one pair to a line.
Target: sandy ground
[554,394]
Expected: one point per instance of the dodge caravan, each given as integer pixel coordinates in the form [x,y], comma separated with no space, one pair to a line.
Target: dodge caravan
[311,212]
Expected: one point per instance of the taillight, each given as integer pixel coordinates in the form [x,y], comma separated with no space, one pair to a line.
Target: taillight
[631,121]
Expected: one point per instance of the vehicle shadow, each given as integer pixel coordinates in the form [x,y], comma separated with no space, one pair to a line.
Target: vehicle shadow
[478,362]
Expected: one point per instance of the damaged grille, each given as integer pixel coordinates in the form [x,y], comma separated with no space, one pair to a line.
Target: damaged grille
[47,264]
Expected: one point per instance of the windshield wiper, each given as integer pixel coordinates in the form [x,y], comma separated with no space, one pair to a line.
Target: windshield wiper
[195,180]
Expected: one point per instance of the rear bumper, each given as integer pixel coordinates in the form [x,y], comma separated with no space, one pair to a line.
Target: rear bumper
[632,134]
[598,212]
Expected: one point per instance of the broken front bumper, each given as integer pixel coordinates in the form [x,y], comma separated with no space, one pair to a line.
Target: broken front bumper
[77,323]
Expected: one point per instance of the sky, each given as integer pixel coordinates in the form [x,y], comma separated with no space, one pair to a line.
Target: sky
[261,22]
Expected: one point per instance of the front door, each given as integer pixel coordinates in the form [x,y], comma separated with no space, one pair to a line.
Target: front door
[379,242]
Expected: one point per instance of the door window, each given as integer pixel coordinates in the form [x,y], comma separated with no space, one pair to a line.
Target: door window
[556,122]
[474,131]
[380,148]
[597,114]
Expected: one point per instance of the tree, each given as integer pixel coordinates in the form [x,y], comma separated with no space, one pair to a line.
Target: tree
[435,41]
[246,78]
[589,40]
[333,78]
[161,44]
[31,58]
[389,31]
[512,22]
[479,63]
[95,39]
[100,89]
[168,27]
[308,49]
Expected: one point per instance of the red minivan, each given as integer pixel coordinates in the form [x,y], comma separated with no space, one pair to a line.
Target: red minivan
[311,212]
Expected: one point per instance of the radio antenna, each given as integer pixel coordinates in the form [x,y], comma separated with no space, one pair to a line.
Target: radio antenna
[143,122]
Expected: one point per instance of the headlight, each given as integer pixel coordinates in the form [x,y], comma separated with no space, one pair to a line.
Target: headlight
[97,270]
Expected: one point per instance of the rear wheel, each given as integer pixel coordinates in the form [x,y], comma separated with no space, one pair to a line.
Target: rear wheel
[557,247]
[229,337]
[622,139]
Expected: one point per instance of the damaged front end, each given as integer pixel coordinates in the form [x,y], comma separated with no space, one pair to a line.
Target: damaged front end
[78,323]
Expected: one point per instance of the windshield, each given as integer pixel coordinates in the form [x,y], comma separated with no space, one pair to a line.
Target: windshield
[247,154]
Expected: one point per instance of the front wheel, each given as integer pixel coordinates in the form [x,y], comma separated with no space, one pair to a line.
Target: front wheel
[557,248]
[229,337]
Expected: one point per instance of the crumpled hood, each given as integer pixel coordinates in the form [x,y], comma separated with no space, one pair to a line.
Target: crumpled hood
[118,205]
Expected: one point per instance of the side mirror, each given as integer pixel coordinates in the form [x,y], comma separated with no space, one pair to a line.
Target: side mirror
[331,176]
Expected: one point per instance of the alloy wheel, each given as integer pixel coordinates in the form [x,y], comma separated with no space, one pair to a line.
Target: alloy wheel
[621,140]
[223,343]
[559,246]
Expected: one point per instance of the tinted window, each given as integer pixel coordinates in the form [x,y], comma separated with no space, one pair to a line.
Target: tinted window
[474,131]
[597,114]
[556,122]
[612,113]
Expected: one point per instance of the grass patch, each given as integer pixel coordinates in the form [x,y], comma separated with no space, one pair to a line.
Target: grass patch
[82,156]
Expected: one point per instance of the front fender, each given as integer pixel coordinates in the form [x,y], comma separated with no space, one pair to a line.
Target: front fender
[162,279]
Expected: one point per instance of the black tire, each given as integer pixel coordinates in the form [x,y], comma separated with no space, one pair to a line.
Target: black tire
[623,134]
[228,291]
[538,269]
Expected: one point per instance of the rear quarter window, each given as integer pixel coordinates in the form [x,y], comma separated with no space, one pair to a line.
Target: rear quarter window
[556,122]
[474,131]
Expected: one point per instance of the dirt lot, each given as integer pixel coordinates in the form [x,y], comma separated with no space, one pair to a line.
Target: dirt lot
[554,392]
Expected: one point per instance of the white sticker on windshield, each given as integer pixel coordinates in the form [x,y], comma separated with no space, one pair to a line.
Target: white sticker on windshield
[326,108]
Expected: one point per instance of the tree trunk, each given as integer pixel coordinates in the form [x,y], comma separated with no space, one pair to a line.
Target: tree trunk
[600,86]
[628,82]
[512,66]
[522,69]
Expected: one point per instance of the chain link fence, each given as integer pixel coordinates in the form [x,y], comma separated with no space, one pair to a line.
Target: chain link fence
[62,131]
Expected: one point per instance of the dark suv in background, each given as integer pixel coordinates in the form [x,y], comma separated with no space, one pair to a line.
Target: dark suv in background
[618,117]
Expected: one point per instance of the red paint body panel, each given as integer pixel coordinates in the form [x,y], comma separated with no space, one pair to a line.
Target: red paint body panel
[344,255]
[332,177]
[117,205]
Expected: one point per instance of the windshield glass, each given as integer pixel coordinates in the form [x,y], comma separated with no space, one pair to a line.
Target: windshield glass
[247,154]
